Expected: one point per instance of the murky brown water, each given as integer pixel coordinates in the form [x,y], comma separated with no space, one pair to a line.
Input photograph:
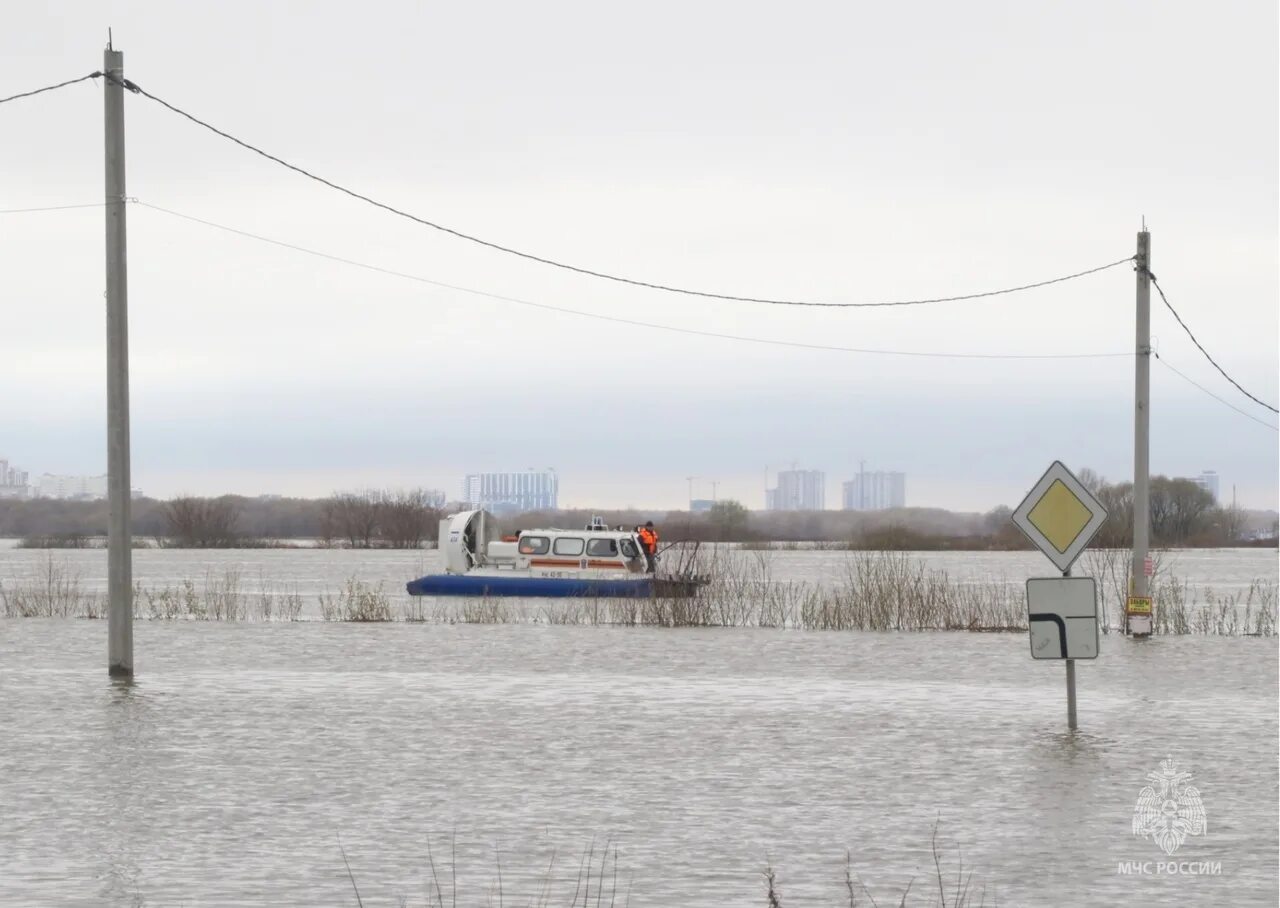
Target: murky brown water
[228,773]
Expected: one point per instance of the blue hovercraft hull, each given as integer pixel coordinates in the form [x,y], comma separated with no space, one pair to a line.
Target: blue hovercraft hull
[558,587]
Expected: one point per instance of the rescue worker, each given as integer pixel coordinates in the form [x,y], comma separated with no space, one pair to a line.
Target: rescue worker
[649,543]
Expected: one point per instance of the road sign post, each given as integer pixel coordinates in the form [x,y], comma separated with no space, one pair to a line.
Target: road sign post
[1071,695]
[1061,517]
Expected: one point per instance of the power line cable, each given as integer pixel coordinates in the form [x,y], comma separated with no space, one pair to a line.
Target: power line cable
[134,87]
[627,321]
[51,208]
[1206,352]
[28,94]
[1189,380]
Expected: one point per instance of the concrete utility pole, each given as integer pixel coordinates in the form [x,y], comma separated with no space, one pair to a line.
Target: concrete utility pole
[119,541]
[1142,425]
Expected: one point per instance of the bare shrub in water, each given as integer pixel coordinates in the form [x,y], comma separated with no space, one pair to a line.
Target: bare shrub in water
[587,611]
[1113,569]
[277,602]
[203,522]
[1262,603]
[72,540]
[356,601]
[330,608]
[480,610]
[223,600]
[168,602]
[879,591]
[1251,613]
[219,598]
[419,611]
[485,610]
[623,611]
[51,591]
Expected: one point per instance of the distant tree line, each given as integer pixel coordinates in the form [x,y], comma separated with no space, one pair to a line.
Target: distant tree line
[1182,514]
[366,519]
[391,519]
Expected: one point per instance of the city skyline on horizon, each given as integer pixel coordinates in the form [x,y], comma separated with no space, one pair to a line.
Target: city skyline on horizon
[1209,479]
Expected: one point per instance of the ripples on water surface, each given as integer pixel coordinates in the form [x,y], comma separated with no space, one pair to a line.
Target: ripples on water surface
[227,773]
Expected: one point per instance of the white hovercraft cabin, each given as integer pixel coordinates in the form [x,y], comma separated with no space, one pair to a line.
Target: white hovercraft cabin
[593,561]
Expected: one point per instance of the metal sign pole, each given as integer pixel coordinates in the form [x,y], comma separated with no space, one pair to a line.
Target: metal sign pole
[1071,683]
[1071,694]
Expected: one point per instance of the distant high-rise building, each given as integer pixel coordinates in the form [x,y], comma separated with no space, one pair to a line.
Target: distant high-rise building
[527,491]
[876,491]
[1208,480]
[72,487]
[797,490]
[13,482]
[701,505]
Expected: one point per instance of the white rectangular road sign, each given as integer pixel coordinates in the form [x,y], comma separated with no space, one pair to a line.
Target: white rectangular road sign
[1062,616]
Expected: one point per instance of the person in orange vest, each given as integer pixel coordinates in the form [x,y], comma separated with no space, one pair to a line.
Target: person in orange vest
[649,542]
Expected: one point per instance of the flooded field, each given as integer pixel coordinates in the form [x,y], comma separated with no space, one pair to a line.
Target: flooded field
[248,756]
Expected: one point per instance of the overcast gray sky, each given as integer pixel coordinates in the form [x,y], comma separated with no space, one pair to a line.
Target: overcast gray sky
[835,151]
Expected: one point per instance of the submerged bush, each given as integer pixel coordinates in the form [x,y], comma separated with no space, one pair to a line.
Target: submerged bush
[877,591]
[50,591]
[356,601]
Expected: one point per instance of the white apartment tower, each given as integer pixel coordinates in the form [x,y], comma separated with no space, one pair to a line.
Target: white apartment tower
[1208,480]
[83,488]
[527,491]
[13,482]
[798,490]
[875,491]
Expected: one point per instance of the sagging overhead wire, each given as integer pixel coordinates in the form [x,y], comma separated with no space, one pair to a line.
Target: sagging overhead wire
[591,272]
[52,208]
[1225,403]
[37,91]
[627,321]
[1201,348]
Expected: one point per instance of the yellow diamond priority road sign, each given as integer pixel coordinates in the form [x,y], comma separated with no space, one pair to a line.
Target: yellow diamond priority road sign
[1060,516]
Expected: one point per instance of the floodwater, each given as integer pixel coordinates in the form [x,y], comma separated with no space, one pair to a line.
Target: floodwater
[247,758]
[311,572]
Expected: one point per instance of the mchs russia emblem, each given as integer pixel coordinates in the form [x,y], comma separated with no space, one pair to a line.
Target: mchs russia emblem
[1169,808]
